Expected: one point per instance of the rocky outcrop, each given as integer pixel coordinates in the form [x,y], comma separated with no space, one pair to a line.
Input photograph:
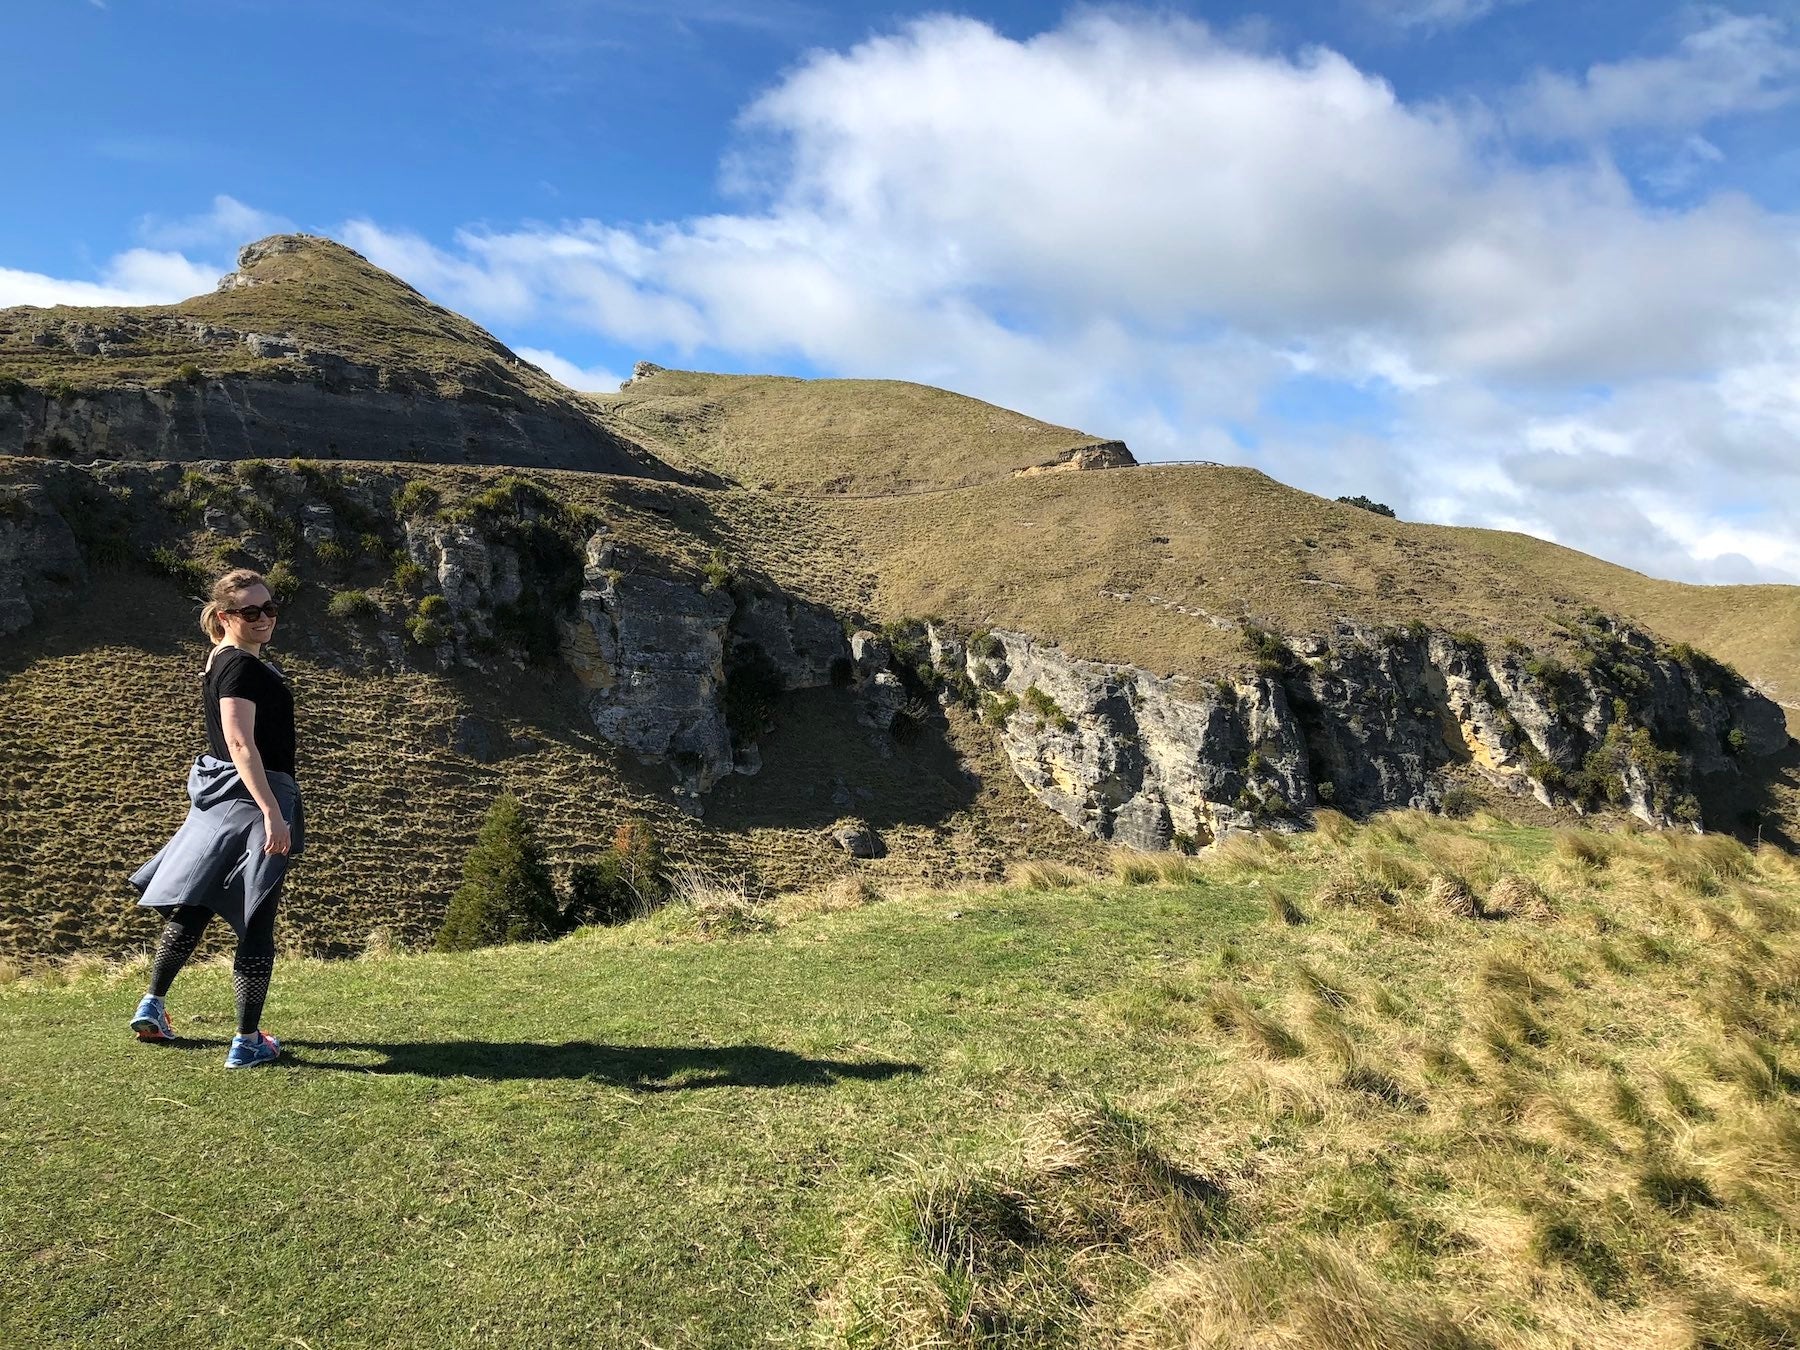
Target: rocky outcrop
[662,658]
[40,559]
[1364,721]
[319,406]
[1103,455]
[475,575]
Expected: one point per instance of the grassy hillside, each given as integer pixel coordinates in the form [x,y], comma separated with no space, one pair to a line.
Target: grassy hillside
[1293,1096]
[1154,566]
[838,436]
[393,806]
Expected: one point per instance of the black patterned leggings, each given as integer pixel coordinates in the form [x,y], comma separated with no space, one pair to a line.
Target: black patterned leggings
[250,967]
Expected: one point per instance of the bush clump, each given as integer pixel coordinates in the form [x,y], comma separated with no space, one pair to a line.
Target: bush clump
[506,894]
[283,582]
[415,499]
[1047,709]
[350,605]
[426,632]
[1272,655]
[719,575]
[1459,802]
[628,880]
[1379,508]
[997,709]
[333,556]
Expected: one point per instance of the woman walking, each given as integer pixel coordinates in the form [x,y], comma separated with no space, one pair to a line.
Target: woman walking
[231,855]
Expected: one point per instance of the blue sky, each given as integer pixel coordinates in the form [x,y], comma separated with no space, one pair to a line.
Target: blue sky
[1503,262]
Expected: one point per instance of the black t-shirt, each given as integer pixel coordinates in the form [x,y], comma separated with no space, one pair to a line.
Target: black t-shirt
[235,673]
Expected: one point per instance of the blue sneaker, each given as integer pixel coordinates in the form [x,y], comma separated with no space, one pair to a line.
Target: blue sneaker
[248,1051]
[151,1022]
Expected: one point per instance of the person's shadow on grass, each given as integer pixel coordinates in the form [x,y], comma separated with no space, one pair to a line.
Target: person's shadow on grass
[641,1068]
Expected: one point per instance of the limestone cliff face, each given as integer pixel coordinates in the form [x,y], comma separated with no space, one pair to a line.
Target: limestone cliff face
[664,659]
[667,662]
[40,558]
[321,407]
[684,671]
[1361,721]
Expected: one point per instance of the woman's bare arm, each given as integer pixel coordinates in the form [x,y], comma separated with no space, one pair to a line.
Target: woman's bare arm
[238,718]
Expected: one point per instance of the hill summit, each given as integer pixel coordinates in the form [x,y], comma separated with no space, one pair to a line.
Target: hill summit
[306,349]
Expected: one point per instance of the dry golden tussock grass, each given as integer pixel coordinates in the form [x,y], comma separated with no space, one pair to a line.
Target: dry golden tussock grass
[717,905]
[1535,1147]
[1025,1246]
[1044,874]
[1230,1010]
[1451,895]
[1136,867]
[1513,896]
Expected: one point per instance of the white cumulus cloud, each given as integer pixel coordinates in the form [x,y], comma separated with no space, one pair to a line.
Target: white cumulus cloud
[1134,225]
[138,276]
[587,380]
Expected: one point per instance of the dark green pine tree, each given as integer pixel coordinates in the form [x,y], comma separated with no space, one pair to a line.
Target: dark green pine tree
[506,894]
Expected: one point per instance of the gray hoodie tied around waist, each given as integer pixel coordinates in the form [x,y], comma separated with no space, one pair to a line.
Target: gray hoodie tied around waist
[216,858]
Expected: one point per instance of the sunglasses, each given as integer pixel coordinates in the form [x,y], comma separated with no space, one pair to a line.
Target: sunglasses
[254,612]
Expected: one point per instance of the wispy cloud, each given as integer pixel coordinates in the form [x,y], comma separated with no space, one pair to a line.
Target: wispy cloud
[1434,14]
[228,222]
[1735,64]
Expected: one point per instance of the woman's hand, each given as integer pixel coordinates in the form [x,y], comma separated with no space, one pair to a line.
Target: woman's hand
[276,838]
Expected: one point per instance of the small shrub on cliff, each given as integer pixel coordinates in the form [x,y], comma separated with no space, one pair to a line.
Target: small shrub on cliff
[511,495]
[1047,709]
[426,632]
[333,556]
[506,894]
[283,583]
[997,709]
[408,575]
[184,572]
[189,373]
[1713,675]
[718,571]
[350,605]
[429,624]
[1560,685]
[415,499]
[1272,655]
[1459,802]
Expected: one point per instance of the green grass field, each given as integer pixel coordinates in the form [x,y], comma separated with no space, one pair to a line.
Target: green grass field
[1419,1083]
